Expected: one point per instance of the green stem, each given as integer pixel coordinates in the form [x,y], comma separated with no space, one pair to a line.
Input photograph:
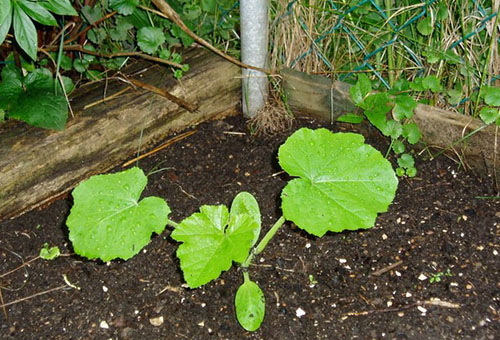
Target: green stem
[172,223]
[263,243]
[246,277]
[389,149]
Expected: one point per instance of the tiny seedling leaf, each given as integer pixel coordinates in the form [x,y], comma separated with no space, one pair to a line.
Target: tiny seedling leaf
[124,7]
[108,221]
[424,26]
[250,305]
[432,83]
[412,133]
[343,183]
[489,114]
[51,253]
[212,240]
[393,129]
[406,161]
[398,147]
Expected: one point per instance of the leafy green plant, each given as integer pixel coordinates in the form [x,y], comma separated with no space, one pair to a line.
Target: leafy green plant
[36,98]
[340,183]
[490,113]
[438,276]
[400,128]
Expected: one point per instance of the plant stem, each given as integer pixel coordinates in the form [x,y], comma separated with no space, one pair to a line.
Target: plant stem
[172,223]
[263,243]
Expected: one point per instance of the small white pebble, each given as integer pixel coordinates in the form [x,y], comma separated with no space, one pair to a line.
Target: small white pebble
[104,325]
[422,277]
[389,303]
[144,251]
[104,289]
[308,245]
[136,312]
[398,221]
[156,321]
[397,273]
[384,237]
[408,294]
[495,252]
[480,247]
[464,217]
[262,259]
[342,260]
[462,234]
[201,324]
[203,304]
[422,309]
[454,284]
[300,312]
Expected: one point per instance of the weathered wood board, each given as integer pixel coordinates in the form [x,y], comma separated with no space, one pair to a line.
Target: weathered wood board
[36,165]
[318,96]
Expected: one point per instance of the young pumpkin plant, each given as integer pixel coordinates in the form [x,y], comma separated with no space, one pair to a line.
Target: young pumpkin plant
[341,183]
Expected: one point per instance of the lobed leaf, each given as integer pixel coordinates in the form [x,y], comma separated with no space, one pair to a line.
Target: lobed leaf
[124,7]
[150,38]
[211,240]
[343,183]
[108,221]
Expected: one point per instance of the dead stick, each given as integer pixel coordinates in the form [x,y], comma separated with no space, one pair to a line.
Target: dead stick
[108,98]
[88,28]
[386,269]
[33,296]
[3,304]
[181,102]
[174,17]
[431,302]
[79,48]
[163,146]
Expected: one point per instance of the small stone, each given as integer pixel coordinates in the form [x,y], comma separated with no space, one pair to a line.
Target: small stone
[104,289]
[104,325]
[158,321]
[422,309]
[389,303]
[308,245]
[408,294]
[342,260]
[450,319]
[201,324]
[495,252]
[384,237]
[300,312]
[422,277]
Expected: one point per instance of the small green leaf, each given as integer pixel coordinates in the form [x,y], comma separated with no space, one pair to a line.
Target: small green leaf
[212,240]
[350,118]
[492,96]
[37,12]
[343,183]
[406,161]
[393,129]
[412,133]
[400,172]
[108,221]
[121,30]
[150,38]
[245,203]
[489,114]
[250,305]
[51,253]
[442,13]
[417,84]
[60,7]
[91,14]
[25,32]
[68,84]
[361,89]
[425,26]
[404,106]
[432,83]
[209,5]
[124,7]
[398,146]
[455,96]
[411,172]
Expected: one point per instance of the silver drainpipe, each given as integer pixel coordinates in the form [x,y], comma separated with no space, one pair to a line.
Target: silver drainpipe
[254,43]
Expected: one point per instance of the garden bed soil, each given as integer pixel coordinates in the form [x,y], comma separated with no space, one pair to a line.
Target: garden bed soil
[441,237]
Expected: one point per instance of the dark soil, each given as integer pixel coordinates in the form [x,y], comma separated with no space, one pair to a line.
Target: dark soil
[437,224]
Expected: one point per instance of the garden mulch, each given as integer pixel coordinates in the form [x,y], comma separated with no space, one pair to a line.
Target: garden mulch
[428,269]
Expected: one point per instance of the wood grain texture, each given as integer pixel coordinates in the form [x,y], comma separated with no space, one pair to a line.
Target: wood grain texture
[38,165]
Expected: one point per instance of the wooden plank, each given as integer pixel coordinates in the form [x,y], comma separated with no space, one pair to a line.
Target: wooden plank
[317,96]
[37,165]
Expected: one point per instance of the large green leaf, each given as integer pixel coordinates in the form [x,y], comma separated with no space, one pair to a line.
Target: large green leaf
[250,305]
[10,90]
[61,7]
[37,12]
[25,32]
[41,108]
[5,8]
[212,240]
[6,22]
[109,221]
[343,183]
[150,38]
